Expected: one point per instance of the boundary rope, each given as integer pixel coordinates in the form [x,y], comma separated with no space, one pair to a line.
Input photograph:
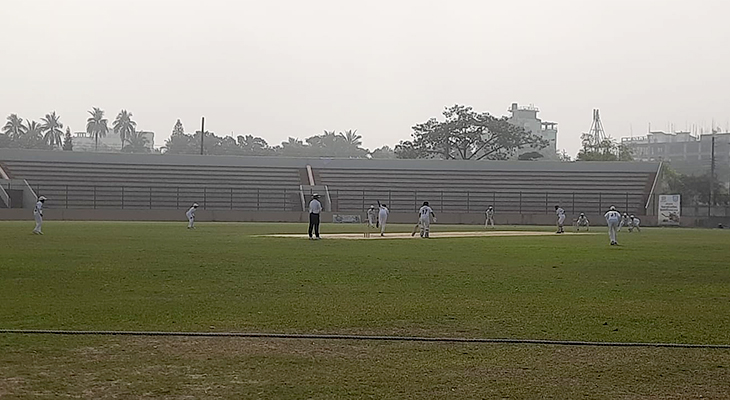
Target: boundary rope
[365,337]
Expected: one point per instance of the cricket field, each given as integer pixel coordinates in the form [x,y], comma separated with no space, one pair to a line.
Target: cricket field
[658,286]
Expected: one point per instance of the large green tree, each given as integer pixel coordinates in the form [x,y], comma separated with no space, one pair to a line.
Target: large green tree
[465,134]
[97,126]
[52,130]
[33,138]
[180,144]
[606,150]
[352,138]
[293,147]
[68,143]
[124,126]
[384,152]
[331,144]
[136,142]
[253,145]
[178,128]
[694,189]
[14,127]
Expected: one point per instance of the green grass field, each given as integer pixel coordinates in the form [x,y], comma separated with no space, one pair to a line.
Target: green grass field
[661,285]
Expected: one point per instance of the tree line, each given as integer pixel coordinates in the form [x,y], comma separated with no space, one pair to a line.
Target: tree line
[48,133]
[347,144]
[462,134]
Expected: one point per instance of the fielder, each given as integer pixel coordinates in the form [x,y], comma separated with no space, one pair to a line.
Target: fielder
[561,218]
[424,219]
[635,222]
[372,215]
[383,217]
[613,219]
[625,221]
[191,216]
[38,215]
[490,217]
[582,221]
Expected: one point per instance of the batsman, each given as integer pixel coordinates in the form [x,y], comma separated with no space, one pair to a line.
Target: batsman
[424,219]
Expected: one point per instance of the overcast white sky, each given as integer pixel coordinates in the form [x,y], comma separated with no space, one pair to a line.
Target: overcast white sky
[295,68]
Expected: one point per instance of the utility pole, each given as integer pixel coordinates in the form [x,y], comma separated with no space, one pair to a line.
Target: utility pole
[712,175]
[202,134]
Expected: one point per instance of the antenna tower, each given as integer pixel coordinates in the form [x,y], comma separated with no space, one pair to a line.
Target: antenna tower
[597,133]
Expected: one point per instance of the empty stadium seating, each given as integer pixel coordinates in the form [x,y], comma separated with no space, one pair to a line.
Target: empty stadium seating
[87,180]
[130,185]
[459,186]
[473,191]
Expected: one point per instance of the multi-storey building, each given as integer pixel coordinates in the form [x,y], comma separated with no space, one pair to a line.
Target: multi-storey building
[526,117]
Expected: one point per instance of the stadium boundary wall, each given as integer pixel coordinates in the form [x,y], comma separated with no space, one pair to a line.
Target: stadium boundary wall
[477,219]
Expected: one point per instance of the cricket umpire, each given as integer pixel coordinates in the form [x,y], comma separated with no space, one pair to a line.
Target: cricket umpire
[315,208]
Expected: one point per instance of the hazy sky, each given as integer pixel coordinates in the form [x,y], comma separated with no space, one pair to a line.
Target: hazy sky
[295,68]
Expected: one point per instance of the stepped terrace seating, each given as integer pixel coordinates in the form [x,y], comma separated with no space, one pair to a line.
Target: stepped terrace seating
[142,183]
[88,180]
[522,187]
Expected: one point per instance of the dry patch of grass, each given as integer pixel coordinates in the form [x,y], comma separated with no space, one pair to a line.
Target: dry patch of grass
[181,368]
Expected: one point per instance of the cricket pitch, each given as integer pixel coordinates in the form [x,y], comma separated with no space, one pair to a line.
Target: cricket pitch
[433,235]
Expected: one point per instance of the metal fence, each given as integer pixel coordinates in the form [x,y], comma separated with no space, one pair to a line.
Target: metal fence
[477,201]
[156,197]
[258,199]
[349,200]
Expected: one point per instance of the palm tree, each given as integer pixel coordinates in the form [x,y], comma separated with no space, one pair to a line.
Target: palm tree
[52,129]
[14,128]
[97,125]
[124,126]
[33,135]
[136,143]
[352,138]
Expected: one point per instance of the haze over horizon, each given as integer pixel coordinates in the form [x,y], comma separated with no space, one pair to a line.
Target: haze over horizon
[284,68]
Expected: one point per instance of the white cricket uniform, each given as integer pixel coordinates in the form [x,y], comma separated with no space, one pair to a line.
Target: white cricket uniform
[613,218]
[561,216]
[582,221]
[635,223]
[38,215]
[424,220]
[191,217]
[490,217]
[383,218]
[625,221]
[372,217]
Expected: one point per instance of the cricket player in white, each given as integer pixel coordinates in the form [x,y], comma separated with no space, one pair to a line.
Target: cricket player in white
[613,219]
[372,215]
[561,218]
[490,217]
[582,221]
[191,216]
[635,222]
[424,219]
[383,217]
[38,215]
[625,221]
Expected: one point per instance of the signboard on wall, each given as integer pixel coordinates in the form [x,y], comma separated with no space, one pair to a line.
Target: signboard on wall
[670,209]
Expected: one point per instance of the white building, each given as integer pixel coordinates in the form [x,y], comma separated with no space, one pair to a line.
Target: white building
[687,153]
[83,141]
[526,117]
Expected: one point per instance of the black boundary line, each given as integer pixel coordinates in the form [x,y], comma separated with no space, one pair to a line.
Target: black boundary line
[364,337]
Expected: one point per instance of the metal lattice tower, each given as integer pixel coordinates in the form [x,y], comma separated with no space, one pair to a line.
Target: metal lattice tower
[597,133]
